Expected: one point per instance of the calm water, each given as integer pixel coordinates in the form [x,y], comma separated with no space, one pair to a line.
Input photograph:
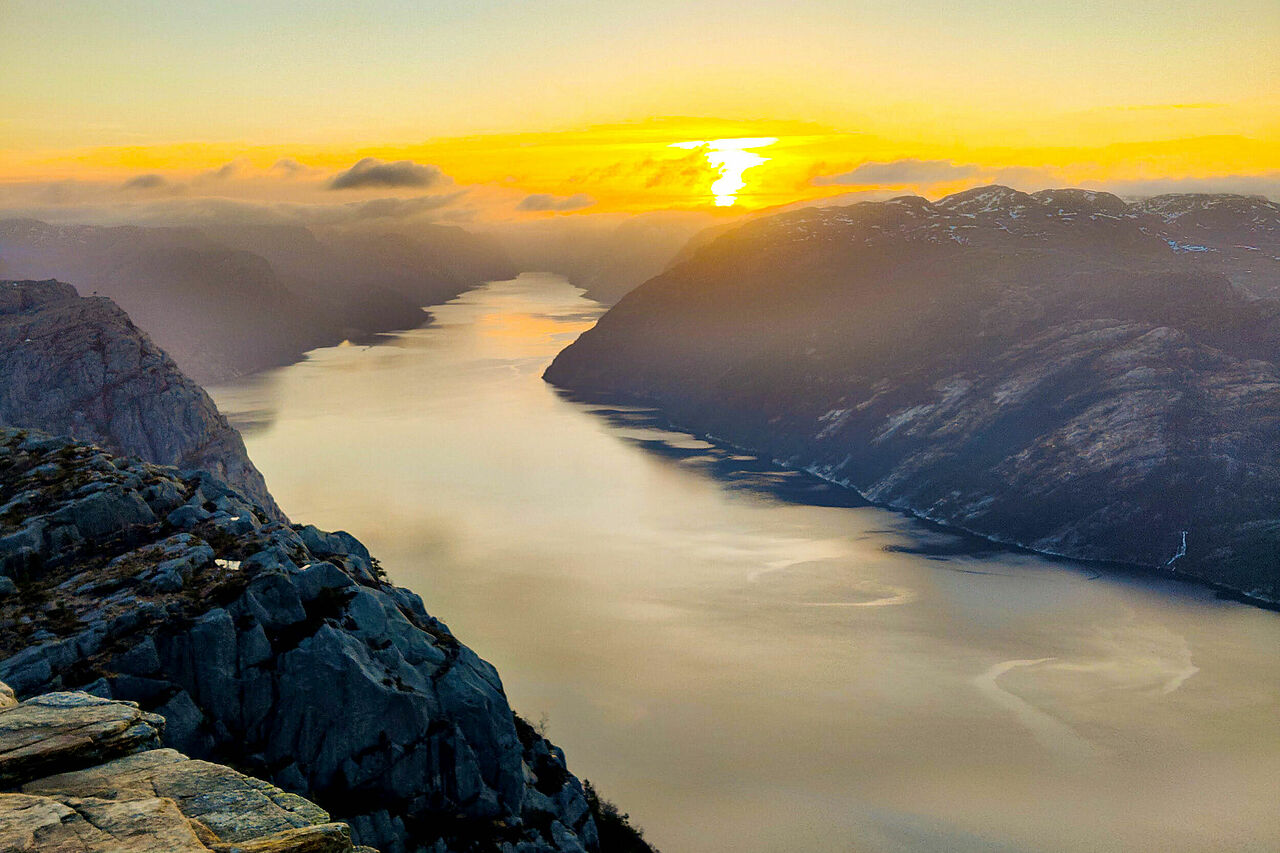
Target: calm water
[739,661]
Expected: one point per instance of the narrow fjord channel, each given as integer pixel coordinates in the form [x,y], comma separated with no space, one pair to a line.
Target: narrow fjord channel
[746,659]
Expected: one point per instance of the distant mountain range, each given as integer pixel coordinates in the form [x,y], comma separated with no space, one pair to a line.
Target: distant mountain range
[1061,370]
[232,299]
[606,259]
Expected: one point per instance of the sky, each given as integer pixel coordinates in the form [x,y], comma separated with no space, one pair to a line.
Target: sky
[546,108]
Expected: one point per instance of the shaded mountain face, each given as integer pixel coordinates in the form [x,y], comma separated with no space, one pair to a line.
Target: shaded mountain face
[350,267]
[276,649]
[1057,370]
[221,312]
[80,367]
[230,300]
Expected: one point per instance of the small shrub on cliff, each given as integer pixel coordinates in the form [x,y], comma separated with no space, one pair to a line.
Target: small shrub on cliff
[617,835]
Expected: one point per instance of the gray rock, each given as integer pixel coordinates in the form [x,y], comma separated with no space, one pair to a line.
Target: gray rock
[279,649]
[80,367]
[142,659]
[315,578]
[187,516]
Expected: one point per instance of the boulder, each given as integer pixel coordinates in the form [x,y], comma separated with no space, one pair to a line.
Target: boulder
[66,731]
[148,800]
[34,824]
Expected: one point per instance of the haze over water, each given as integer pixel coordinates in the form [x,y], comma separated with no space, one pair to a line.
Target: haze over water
[743,670]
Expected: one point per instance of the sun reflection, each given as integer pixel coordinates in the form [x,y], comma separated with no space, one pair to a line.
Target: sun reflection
[732,158]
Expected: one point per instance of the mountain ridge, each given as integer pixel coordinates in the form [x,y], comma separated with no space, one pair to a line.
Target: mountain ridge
[1042,369]
[227,300]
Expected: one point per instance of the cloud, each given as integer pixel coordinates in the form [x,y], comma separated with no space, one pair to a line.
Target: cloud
[170,210]
[1266,184]
[1025,178]
[546,201]
[234,169]
[899,173]
[372,172]
[146,182]
[291,168]
[687,169]
[382,208]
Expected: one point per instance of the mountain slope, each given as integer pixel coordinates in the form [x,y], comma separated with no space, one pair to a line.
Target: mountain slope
[1054,370]
[225,300]
[352,267]
[221,312]
[78,366]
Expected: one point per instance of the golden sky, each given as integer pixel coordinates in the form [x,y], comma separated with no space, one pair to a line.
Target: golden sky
[553,107]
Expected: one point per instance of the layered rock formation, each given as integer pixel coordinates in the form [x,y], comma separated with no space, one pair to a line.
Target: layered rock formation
[79,366]
[276,649]
[83,774]
[1062,370]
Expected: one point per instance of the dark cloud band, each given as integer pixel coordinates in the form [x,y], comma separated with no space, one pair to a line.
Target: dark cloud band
[546,201]
[899,172]
[372,172]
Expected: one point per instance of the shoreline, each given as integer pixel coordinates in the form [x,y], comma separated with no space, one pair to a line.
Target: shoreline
[1221,591]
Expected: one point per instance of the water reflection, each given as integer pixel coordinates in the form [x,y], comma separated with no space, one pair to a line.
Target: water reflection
[748,659]
[650,431]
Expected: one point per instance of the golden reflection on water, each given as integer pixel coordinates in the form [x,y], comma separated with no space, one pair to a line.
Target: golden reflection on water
[742,673]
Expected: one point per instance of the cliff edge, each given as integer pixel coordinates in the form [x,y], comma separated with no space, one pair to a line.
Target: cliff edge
[276,649]
[80,367]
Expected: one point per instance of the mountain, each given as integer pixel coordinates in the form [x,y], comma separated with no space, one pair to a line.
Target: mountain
[278,650]
[1062,370]
[226,300]
[221,312]
[353,266]
[79,366]
[1236,235]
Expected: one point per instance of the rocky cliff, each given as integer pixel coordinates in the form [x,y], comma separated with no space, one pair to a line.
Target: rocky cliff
[1062,370]
[78,366]
[83,774]
[275,649]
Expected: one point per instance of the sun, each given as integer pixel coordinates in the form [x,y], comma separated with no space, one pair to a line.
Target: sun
[731,157]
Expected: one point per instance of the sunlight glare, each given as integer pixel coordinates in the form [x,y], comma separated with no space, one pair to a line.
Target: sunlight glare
[732,158]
